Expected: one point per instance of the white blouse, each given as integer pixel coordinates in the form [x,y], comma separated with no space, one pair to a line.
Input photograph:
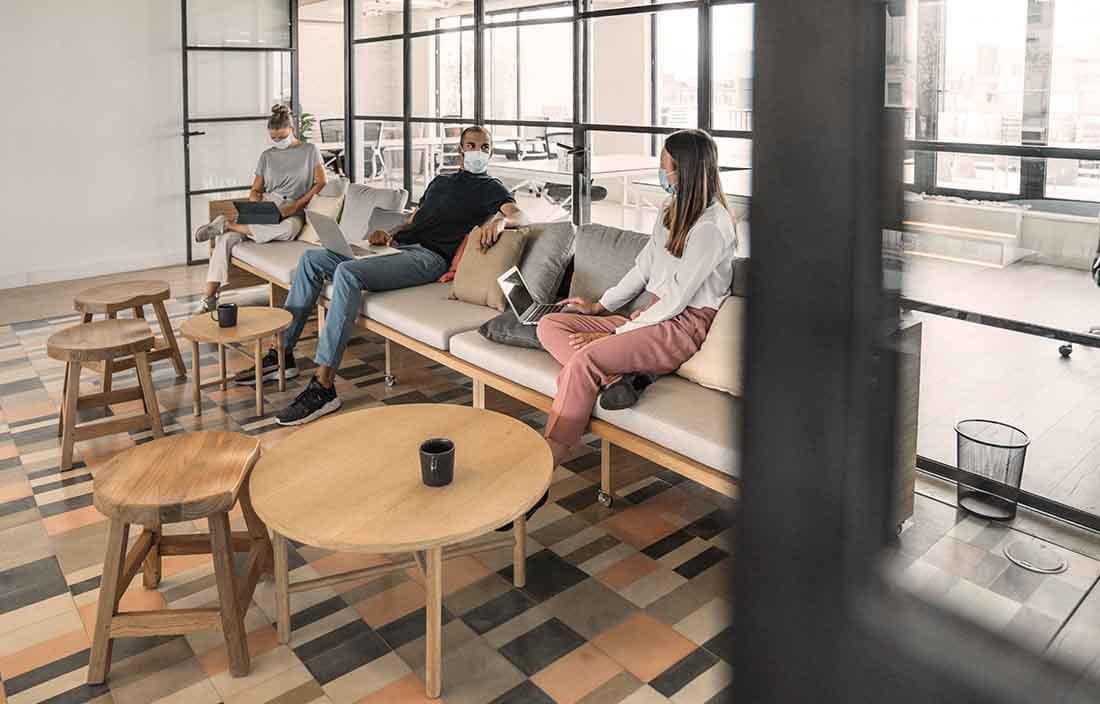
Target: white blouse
[701,278]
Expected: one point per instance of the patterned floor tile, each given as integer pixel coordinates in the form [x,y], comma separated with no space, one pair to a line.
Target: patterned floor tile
[644,646]
[541,646]
[576,674]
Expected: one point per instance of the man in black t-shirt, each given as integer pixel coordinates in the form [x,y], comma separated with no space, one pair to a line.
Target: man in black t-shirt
[468,203]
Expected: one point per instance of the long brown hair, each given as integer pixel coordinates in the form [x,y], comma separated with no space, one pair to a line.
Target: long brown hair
[695,156]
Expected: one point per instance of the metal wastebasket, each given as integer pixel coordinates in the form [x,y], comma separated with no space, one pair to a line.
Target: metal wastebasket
[995,451]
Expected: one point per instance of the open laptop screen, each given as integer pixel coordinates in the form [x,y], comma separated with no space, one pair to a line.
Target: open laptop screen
[516,292]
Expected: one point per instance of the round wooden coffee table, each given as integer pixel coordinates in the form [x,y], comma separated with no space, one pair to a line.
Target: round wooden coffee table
[352,483]
[254,323]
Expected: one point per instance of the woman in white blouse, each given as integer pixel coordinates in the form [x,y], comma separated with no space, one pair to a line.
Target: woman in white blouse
[686,269]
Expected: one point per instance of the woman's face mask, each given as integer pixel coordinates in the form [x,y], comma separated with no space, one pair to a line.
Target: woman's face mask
[476,162]
[668,186]
[282,143]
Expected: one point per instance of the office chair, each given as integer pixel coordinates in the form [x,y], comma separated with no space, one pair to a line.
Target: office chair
[332,130]
[375,165]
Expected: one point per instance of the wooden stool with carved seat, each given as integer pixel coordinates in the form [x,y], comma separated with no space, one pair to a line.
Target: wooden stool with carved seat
[103,341]
[173,480]
[109,299]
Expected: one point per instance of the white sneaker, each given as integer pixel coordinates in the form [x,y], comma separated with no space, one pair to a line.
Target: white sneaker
[212,229]
[205,305]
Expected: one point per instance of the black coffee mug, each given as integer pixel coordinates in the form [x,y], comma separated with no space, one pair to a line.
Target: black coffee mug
[437,461]
[225,314]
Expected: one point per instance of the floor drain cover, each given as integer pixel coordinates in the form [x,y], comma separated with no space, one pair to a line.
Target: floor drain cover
[1035,556]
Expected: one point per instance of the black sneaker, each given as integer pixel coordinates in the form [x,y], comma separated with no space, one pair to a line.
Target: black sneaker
[271,369]
[311,404]
[625,392]
[530,512]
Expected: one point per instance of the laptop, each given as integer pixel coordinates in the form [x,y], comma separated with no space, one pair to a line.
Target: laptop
[262,212]
[519,298]
[333,239]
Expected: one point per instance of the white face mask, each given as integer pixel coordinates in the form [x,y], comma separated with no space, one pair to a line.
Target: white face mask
[284,142]
[475,162]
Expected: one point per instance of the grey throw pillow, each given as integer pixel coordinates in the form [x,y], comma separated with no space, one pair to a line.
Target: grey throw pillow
[740,286]
[361,201]
[385,219]
[507,330]
[603,256]
[549,247]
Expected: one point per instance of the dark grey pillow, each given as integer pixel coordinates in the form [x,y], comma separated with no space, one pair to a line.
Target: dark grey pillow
[604,255]
[543,264]
[507,330]
[740,286]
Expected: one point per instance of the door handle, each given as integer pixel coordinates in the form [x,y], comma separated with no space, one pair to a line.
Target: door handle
[193,134]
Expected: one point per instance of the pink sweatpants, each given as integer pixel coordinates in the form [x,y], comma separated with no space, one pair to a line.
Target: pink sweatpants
[656,349]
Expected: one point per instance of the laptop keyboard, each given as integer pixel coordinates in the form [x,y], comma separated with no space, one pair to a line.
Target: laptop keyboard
[540,309]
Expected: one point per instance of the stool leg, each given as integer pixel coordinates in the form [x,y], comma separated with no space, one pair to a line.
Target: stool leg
[61,407]
[221,547]
[87,317]
[196,378]
[259,353]
[221,367]
[169,337]
[68,424]
[149,392]
[259,554]
[151,568]
[139,312]
[108,373]
[99,662]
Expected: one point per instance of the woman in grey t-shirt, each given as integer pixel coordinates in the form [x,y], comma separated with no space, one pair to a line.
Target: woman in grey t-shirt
[290,172]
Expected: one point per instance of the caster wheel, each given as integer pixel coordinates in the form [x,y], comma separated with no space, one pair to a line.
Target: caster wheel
[604,498]
[1065,350]
[391,381]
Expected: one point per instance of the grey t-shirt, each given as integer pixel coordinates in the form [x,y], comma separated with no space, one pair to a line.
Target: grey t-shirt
[288,173]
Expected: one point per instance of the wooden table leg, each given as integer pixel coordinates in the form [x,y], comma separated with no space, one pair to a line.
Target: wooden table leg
[519,552]
[108,374]
[197,399]
[433,602]
[259,378]
[282,588]
[282,361]
[221,366]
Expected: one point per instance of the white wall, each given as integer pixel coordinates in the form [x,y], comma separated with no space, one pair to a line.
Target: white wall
[89,138]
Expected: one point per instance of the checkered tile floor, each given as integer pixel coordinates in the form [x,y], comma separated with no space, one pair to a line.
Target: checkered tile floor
[627,604]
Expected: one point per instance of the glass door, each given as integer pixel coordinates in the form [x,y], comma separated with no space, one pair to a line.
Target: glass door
[239,59]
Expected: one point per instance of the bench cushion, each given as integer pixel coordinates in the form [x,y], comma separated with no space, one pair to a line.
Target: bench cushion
[276,259]
[694,421]
[426,314]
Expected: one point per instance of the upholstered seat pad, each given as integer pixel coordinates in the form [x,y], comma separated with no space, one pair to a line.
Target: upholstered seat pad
[425,313]
[276,259]
[697,422]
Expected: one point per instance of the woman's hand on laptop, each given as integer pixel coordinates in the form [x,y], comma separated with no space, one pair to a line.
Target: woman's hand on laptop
[380,238]
[582,306]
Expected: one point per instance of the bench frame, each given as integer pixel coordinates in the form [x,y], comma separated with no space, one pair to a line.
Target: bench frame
[608,433]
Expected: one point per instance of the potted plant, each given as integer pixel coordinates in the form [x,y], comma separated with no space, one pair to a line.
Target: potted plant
[305,126]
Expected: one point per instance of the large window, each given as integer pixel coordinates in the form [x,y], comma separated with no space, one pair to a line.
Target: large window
[1075,99]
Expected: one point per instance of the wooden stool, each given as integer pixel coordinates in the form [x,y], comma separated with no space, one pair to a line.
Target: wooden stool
[175,479]
[109,299]
[103,341]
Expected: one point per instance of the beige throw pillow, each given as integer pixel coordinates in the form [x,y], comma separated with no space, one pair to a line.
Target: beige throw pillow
[718,363]
[476,277]
[325,205]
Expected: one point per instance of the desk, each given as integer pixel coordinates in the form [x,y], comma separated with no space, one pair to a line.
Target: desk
[622,166]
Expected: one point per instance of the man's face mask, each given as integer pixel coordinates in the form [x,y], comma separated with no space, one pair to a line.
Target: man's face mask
[476,162]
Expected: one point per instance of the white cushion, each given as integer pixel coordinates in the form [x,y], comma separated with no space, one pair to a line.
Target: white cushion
[695,421]
[424,313]
[276,259]
[534,369]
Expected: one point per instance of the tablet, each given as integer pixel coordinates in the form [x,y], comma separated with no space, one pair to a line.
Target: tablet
[262,212]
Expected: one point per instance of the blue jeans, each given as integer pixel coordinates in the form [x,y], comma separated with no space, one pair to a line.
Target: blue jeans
[350,278]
